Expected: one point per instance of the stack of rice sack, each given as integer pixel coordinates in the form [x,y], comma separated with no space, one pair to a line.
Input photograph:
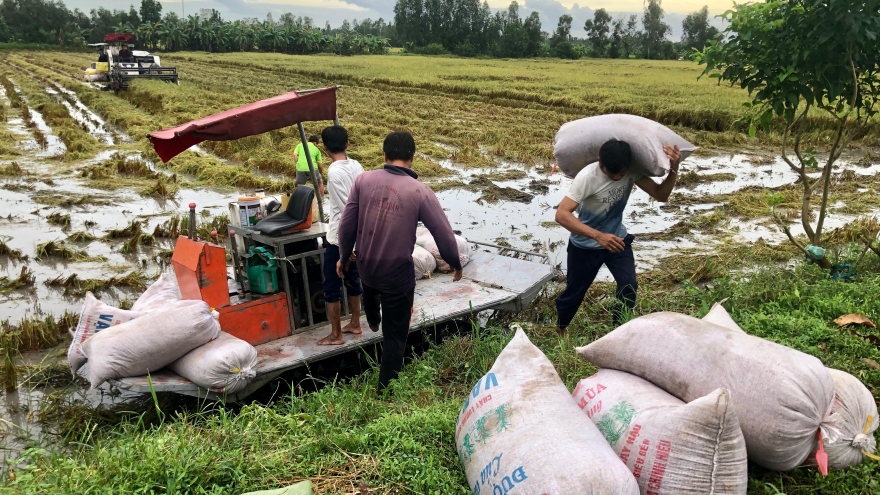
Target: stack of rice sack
[520,432]
[791,409]
[160,331]
[426,255]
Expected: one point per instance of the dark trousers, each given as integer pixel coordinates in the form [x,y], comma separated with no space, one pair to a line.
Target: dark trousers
[583,265]
[394,311]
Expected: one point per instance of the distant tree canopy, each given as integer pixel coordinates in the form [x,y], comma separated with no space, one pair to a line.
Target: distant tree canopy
[50,22]
[463,27]
[697,31]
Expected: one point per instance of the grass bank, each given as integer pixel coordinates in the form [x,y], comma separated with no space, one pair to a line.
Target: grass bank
[344,434]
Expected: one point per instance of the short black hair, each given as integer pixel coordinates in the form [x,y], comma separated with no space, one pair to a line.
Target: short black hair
[335,138]
[615,156]
[399,145]
[313,139]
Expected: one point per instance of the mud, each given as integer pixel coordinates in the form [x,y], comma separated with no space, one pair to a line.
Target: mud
[530,225]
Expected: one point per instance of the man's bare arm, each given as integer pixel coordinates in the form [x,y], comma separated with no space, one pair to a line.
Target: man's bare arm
[565,217]
[663,190]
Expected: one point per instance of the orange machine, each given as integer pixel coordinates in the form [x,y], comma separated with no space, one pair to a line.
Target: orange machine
[200,267]
[294,237]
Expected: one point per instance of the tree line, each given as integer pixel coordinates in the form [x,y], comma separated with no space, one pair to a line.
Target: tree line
[50,22]
[462,27]
[469,28]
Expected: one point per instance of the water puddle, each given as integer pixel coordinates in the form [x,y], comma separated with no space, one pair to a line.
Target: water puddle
[53,145]
[27,224]
[530,225]
[91,123]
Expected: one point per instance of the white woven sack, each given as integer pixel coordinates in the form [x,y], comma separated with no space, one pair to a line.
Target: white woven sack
[719,316]
[672,448]
[224,365]
[149,342]
[858,421]
[781,396]
[854,410]
[425,240]
[520,432]
[160,294]
[94,317]
[423,262]
[578,142]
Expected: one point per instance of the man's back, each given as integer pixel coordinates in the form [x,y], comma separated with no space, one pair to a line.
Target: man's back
[302,165]
[340,178]
[389,204]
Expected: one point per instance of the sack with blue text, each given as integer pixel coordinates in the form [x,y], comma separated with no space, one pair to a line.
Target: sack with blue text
[519,432]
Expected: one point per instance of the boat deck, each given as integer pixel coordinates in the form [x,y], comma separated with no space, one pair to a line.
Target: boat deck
[489,281]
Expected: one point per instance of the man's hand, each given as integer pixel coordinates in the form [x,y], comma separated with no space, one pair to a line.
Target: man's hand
[339,269]
[351,259]
[457,276]
[610,242]
[674,155]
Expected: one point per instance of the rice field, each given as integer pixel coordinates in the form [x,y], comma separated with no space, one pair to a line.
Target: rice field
[91,208]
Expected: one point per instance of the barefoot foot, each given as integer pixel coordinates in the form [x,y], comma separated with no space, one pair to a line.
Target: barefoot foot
[331,340]
[352,328]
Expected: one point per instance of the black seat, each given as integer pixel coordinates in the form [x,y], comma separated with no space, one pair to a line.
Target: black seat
[296,214]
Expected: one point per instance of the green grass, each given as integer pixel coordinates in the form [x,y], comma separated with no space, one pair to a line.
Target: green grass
[402,444]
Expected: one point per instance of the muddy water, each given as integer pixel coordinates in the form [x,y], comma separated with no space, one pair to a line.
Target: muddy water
[530,226]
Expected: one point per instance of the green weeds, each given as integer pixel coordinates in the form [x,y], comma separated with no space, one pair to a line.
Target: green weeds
[345,433]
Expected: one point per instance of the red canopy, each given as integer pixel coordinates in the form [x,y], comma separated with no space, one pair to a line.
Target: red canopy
[249,120]
[118,38]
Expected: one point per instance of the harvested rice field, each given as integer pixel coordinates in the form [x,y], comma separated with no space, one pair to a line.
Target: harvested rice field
[87,206]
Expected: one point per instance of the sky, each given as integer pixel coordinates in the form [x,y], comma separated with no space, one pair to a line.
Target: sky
[335,11]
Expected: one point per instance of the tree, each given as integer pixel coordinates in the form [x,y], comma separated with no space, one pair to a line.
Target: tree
[151,11]
[655,30]
[798,56]
[597,32]
[560,43]
[696,30]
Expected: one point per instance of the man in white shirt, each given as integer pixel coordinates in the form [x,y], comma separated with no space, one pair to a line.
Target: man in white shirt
[599,193]
[340,177]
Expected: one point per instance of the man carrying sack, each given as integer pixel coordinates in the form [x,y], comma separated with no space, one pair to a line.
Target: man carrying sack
[599,193]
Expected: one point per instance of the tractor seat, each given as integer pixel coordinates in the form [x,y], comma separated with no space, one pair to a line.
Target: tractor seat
[297,216]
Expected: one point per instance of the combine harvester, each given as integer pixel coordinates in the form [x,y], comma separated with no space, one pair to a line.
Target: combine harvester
[119,72]
[284,316]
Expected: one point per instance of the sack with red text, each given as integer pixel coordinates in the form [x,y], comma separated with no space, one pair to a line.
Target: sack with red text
[94,317]
[577,143]
[671,447]
[520,432]
[781,396]
[853,439]
[425,240]
[150,342]
[423,262]
[162,293]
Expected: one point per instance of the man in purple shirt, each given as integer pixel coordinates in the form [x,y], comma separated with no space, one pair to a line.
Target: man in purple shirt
[382,213]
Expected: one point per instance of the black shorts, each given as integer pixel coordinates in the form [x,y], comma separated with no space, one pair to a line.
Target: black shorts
[332,285]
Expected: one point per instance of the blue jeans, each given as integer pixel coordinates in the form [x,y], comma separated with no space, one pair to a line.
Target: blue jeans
[332,285]
[583,265]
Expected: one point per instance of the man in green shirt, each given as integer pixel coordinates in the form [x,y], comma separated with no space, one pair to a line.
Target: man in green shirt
[302,164]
